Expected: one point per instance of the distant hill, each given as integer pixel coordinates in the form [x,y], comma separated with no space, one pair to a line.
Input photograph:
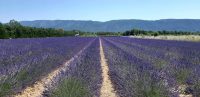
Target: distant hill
[192,25]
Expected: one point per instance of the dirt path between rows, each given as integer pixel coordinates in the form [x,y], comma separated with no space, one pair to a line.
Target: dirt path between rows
[37,89]
[107,89]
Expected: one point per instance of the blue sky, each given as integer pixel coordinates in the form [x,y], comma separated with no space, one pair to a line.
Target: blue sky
[98,10]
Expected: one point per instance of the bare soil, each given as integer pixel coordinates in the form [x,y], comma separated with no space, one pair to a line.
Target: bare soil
[107,89]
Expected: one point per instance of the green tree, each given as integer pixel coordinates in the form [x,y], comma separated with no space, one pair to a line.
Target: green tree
[14,24]
[3,33]
[18,32]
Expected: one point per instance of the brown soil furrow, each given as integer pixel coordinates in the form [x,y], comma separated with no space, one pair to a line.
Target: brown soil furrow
[107,89]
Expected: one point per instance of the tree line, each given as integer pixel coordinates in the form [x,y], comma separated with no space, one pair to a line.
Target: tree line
[156,33]
[108,33]
[14,29]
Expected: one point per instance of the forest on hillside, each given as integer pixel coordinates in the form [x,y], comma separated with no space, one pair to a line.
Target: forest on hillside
[14,29]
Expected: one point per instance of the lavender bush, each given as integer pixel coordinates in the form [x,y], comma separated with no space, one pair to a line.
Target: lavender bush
[175,62]
[24,61]
[84,75]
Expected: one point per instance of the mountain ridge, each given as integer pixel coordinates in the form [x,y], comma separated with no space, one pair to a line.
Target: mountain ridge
[192,25]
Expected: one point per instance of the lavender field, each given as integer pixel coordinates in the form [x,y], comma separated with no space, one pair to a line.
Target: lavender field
[73,67]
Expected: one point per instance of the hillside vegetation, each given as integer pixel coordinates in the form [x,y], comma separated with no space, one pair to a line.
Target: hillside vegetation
[191,25]
[13,29]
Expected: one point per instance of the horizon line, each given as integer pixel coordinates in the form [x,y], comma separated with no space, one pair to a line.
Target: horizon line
[101,20]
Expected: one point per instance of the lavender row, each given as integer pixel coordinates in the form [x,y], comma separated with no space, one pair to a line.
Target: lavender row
[86,70]
[23,61]
[176,67]
[131,76]
[156,63]
[172,49]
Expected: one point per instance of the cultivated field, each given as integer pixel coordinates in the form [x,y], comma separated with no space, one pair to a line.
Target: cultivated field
[99,67]
[173,37]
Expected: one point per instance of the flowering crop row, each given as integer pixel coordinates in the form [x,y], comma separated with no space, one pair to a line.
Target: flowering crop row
[153,67]
[24,61]
[137,67]
[87,70]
